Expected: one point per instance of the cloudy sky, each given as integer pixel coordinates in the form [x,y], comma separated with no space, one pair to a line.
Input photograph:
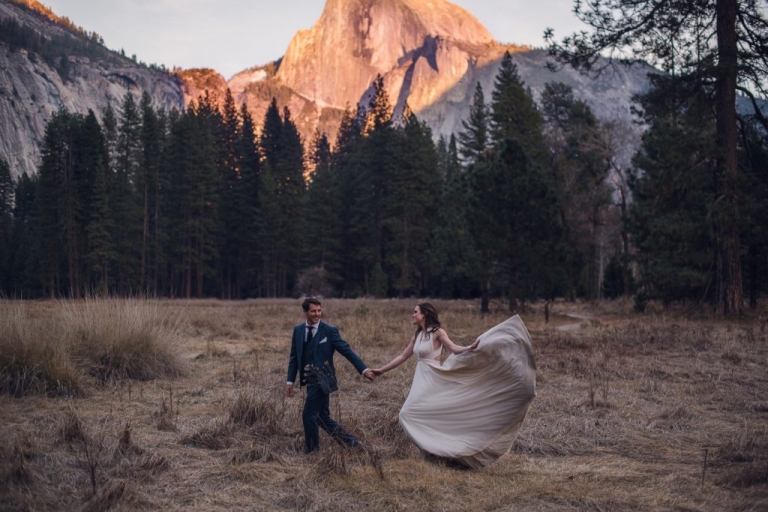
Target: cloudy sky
[232,35]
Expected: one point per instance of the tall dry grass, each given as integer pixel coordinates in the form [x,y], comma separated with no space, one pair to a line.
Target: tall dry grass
[33,355]
[659,411]
[51,350]
[115,339]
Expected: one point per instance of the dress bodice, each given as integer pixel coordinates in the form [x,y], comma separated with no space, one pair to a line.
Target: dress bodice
[424,347]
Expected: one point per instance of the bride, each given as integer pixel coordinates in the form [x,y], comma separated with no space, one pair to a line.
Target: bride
[467,409]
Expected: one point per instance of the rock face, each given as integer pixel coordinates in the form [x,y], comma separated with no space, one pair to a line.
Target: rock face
[354,40]
[431,54]
[31,90]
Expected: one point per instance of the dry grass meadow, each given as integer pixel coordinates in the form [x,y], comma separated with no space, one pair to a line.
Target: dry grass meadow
[178,405]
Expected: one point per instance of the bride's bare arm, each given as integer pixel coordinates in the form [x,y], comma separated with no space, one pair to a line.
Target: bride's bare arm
[443,338]
[408,352]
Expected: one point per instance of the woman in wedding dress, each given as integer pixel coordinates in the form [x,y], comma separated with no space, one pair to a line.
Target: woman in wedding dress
[469,408]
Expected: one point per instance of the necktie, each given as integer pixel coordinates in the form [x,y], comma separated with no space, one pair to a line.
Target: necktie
[309,333]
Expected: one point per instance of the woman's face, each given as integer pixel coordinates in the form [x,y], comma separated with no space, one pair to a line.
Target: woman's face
[417,318]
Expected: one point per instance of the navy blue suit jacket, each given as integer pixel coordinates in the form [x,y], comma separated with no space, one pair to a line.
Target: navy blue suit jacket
[320,350]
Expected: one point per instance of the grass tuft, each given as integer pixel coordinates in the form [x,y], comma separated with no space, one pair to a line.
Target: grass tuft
[109,339]
[70,428]
[113,493]
[33,358]
[214,436]
[117,339]
[252,409]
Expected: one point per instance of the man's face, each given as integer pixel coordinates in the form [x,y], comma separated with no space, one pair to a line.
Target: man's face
[313,314]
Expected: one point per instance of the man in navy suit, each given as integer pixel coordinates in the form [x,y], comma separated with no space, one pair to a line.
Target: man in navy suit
[313,345]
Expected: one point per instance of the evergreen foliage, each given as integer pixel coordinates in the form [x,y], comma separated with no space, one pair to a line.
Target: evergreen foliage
[6,225]
[670,218]
[580,163]
[194,204]
[474,138]
[718,42]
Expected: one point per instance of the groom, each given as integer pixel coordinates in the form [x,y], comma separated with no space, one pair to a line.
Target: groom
[312,348]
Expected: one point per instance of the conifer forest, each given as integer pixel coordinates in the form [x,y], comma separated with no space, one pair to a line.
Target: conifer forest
[530,200]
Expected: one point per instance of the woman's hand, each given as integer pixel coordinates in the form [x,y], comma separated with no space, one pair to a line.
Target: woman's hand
[475,344]
[377,371]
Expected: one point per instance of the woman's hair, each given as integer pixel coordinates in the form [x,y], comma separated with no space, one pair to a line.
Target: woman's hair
[431,322]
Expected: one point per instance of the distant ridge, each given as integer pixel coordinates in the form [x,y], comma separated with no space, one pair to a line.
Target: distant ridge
[431,54]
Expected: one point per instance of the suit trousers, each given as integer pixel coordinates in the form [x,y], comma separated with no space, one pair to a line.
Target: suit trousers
[316,412]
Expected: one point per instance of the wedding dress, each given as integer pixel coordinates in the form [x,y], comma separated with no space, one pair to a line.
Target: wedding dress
[470,407]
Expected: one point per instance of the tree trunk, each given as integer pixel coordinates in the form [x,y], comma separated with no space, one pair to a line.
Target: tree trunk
[624,244]
[728,268]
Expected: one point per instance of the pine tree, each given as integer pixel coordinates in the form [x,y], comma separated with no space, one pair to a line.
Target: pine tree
[452,252]
[232,198]
[204,193]
[753,158]
[54,199]
[6,226]
[127,217]
[97,250]
[515,222]
[670,218]
[580,166]
[474,138]
[517,159]
[291,191]
[514,115]
[249,159]
[147,188]
[371,188]
[346,165]
[323,206]
[26,275]
[178,202]
[409,211]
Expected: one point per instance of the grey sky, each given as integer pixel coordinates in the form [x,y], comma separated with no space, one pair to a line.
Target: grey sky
[232,35]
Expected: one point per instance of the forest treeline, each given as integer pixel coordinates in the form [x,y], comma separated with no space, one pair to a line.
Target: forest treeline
[529,200]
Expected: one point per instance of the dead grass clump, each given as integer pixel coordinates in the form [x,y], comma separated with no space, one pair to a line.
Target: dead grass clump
[599,381]
[125,445]
[70,429]
[214,436]
[16,471]
[332,461]
[164,418]
[243,410]
[746,446]
[113,493]
[33,358]
[261,454]
[153,463]
[745,456]
[252,409]
[116,339]
[751,475]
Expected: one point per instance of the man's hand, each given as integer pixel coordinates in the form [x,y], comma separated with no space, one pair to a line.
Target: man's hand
[289,390]
[368,374]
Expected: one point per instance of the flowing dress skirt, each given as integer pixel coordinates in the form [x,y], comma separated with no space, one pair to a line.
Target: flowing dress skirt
[470,408]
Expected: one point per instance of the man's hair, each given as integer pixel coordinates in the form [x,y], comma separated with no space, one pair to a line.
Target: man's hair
[308,301]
